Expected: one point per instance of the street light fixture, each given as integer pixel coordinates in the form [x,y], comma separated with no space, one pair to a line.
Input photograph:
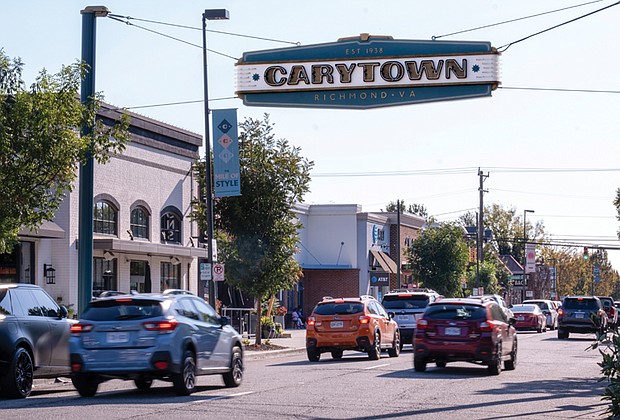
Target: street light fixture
[525,212]
[209,14]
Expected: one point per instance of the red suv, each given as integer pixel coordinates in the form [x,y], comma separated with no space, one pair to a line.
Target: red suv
[466,330]
[359,323]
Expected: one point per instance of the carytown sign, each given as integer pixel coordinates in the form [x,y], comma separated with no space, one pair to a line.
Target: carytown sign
[368,72]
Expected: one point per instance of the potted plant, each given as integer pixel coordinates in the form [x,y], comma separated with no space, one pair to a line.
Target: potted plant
[268,327]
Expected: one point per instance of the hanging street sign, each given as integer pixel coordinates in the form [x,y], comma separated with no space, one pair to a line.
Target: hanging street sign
[367,72]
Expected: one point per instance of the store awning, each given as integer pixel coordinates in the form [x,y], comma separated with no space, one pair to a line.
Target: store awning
[147,248]
[47,229]
[385,262]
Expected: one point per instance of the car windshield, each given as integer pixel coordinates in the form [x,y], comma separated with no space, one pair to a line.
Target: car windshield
[405,302]
[541,305]
[586,304]
[342,308]
[122,309]
[456,312]
[523,308]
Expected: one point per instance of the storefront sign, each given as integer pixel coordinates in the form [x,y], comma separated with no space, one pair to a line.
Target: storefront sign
[368,72]
[379,279]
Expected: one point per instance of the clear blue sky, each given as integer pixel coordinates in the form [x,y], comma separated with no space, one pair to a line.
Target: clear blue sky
[512,129]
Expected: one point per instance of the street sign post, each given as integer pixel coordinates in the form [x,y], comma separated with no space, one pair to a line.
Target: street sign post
[218,272]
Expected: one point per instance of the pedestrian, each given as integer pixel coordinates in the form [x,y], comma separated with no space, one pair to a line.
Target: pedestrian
[297,318]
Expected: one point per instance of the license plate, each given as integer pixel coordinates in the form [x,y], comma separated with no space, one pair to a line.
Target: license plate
[520,318]
[336,324]
[453,331]
[579,315]
[403,317]
[117,337]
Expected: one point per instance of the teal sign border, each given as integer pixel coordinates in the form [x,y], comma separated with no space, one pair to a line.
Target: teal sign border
[365,98]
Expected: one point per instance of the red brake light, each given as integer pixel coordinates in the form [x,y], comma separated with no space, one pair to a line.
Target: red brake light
[486,326]
[364,319]
[163,326]
[560,311]
[123,300]
[311,320]
[80,328]
[422,324]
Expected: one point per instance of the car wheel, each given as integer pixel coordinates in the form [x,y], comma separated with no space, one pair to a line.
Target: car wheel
[396,345]
[18,381]
[511,363]
[374,353]
[184,383]
[234,377]
[337,354]
[441,363]
[419,363]
[143,383]
[495,365]
[86,385]
[313,355]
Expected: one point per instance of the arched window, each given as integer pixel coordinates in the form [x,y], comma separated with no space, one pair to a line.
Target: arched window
[105,218]
[140,223]
[171,222]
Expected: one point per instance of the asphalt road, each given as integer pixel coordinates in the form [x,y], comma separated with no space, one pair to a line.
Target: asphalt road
[554,379]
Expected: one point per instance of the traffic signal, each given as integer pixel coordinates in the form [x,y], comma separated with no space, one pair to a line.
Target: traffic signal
[585,253]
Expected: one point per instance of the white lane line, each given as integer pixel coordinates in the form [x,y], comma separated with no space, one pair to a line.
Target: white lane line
[222,397]
[376,366]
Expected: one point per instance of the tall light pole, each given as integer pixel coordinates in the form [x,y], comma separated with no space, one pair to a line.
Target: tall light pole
[525,212]
[209,14]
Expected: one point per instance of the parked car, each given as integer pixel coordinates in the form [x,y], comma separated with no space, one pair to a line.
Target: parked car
[142,337]
[358,323]
[610,310]
[498,299]
[529,317]
[469,330]
[408,305]
[34,338]
[581,314]
[548,309]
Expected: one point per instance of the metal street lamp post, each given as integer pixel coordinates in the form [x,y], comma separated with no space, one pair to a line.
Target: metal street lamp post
[525,212]
[209,14]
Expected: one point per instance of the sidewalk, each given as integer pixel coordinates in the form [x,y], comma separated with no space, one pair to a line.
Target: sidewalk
[294,341]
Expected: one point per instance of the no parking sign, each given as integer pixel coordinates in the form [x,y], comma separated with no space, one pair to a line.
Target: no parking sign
[218,272]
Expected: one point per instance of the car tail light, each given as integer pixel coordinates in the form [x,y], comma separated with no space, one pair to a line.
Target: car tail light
[311,320]
[422,324]
[80,328]
[364,319]
[162,365]
[487,326]
[76,367]
[560,312]
[161,326]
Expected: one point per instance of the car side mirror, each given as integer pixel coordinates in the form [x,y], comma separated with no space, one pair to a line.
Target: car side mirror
[63,312]
[224,320]
[512,321]
[391,315]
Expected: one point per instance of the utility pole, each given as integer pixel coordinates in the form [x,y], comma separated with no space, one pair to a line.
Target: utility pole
[398,282]
[481,190]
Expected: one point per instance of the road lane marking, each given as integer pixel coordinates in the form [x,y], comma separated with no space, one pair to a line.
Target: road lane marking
[376,366]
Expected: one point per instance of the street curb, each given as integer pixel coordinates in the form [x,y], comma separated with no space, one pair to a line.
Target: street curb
[261,355]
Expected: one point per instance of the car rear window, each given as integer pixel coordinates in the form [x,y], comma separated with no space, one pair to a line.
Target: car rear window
[523,308]
[405,302]
[456,312]
[588,304]
[122,309]
[334,308]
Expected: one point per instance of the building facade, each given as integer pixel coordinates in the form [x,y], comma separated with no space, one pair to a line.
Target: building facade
[143,237]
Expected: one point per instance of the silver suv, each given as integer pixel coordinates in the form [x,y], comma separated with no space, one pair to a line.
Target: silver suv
[171,336]
[408,305]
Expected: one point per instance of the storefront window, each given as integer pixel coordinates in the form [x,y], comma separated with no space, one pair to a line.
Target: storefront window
[104,218]
[171,227]
[170,276]
[104,275]
[137,276]
[140,223]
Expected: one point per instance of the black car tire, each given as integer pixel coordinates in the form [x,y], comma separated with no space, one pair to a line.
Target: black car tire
[374,352]
[441,363]
[313,355]
[234,377]
[396,345]
[143,383]
[18,381]
[562,334]
[337,354]
[419,364]
[495,365]
[511,363]
[184,382]
[86,385]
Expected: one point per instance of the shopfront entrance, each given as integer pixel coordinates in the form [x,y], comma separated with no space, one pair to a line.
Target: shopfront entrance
[18,266]
[140,276]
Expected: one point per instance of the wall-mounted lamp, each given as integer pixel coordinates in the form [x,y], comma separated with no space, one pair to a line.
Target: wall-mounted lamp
[175,260]
[130,233]
[191,241]
[108,255]
[50,274]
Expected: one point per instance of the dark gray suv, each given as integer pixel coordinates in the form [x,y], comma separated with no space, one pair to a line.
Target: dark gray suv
[581,314]
[172,336]
[408,305]
[34,338]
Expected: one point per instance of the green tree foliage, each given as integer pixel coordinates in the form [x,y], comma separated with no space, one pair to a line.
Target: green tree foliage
[439,258]
[40,143]
[257,231]
[489,276]
[416,209]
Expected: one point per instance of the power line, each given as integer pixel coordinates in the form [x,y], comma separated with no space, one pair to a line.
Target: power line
[515,20]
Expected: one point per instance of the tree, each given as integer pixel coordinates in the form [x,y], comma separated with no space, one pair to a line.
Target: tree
[439,258]
[257,232]
[416,209]
[40,144]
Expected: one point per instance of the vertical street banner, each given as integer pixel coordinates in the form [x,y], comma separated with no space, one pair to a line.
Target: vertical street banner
[226,176]
[530,258]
